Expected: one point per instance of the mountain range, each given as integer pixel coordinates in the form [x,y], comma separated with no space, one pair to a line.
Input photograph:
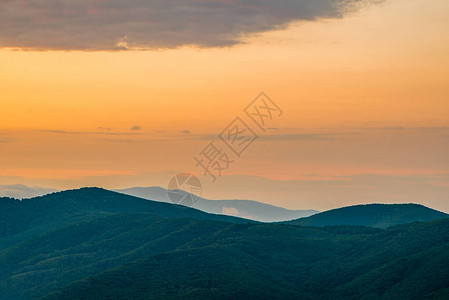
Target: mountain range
[20,191]
[97,244]
[20,219]
[247,209]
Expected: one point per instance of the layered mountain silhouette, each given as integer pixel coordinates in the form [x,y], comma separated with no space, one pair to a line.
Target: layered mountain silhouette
[29,217]
[97,244]
[247,209]
[373,215]
[20,191]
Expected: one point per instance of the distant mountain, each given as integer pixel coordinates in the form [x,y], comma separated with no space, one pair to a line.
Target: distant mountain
[247,209]
[30,217]
[264,261]
[373,215]
[20,191]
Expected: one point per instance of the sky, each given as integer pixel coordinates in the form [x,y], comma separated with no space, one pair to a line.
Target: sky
[113,94]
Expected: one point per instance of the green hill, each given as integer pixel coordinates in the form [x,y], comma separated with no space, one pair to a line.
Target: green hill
[285,262]
[40,264]
[373,215]
[96,244]
[22,219]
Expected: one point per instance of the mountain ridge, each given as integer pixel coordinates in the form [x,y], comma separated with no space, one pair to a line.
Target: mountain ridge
[21,219]
[373,215]
[276,261]
[248,209]
[93,243]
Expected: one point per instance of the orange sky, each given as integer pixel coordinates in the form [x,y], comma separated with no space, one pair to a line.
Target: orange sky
[365,102]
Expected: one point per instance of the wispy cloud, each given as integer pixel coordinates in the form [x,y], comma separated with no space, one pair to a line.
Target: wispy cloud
[397,128]
[149,24]
[92,132]
[6,140]
[271,137]
[295,137]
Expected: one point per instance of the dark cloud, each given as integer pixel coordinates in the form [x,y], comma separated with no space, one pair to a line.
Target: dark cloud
[149,24]
[135,128]
[186,131]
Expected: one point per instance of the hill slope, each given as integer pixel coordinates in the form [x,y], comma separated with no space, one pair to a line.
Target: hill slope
[97,244]
[269,261]
[247,209]
[30,217]
[373,215]
[48,261]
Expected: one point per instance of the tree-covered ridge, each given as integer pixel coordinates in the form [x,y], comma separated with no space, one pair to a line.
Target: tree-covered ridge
[373,215]
[96,244]
[261,261]
[23,219]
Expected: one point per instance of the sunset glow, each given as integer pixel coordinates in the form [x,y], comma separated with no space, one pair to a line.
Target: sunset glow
[364,95]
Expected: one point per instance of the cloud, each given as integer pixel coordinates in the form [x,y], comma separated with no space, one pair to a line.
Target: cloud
[299,136]
[150,24]
[230,211]
[135,128]
[129,141]
[92,132]
[6,140]
[398,128]
[269,137]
